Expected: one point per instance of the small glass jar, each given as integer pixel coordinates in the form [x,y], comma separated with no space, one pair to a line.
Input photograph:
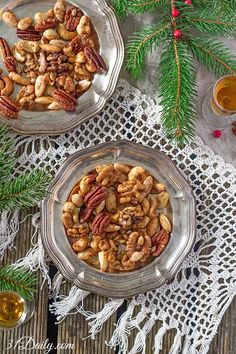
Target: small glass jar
[14,310]
[181,212]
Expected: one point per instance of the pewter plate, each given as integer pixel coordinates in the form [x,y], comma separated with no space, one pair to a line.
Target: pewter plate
[181,212]
[92,102]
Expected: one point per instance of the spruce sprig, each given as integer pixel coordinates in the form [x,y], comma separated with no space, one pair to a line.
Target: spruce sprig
[198,23]
[142,42]
[19,280]
[177,99]
[22,191]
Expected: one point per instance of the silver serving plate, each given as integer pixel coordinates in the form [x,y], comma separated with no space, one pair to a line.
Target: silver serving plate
[181,212]
[103,86]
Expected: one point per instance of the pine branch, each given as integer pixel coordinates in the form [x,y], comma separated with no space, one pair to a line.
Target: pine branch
[141,6]
[24,191]
[120,7]
[7,156]
[142,42]
[207,22]
[19,280]
[213,55]
[177,91]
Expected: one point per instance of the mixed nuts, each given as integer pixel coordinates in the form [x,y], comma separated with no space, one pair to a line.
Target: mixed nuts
[115,218]
[54,60]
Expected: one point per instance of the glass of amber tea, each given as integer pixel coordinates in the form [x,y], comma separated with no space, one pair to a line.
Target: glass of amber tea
[219,106]
[14,310]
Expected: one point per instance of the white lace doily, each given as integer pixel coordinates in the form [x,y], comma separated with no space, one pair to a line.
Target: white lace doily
[195,301]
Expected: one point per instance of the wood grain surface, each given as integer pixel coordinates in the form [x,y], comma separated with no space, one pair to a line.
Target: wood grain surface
[75,328]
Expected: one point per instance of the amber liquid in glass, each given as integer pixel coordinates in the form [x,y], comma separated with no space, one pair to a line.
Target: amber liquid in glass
[12,307]
[224,98]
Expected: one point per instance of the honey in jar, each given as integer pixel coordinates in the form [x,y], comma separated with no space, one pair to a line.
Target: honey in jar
[12,309]
[224,95]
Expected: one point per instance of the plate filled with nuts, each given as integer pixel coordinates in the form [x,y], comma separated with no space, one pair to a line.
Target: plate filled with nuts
[59,63]
[119,219]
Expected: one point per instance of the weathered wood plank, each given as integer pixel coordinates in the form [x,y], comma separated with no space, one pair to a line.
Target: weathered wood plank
[36,327]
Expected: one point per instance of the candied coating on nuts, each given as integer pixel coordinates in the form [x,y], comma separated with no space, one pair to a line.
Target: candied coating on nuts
[115,218]
[58,48]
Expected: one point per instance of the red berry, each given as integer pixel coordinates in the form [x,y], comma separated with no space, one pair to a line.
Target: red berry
[178,34]
[175,13]
[188,2]
[217,133]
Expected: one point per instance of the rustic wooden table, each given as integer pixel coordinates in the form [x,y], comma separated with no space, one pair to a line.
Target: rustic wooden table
[40,329]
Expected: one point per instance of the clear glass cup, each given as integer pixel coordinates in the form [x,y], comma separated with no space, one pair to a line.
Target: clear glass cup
[12,304]
[219,105]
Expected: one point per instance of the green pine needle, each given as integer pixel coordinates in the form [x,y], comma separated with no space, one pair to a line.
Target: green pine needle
[7,156]
[210,23]
[23,191]
[177,91]
[120,7]
[141,6]
[19,280]
[213,55]
[142,42]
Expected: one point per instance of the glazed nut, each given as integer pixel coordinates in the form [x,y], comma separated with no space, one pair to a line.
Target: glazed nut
[29,46]
[160,187]
[49,48]
[153,207]
[137,173]
[10,19]
[162,199]
[145,206]
[8,86]
[84,27]
[64,34]
[54,106]
[9,108]
[67,220]
[86,183]
[95,197]
[18,79]
[28,34]
[100,207]
[86,254]
[44,100]
[148,183]
[100,223]
[165,223]
[121,167]
[113,228]
[80,58]
[111,201]
[77,199]
[95,58]
[59,10]
[40,86]
[58,43]
[81,244]
[91,67]
[152,226]
[50,34]
[45,24]
[66,100]
[18,55]
[25,23]
[69,207]
[102,261]
[72,18]
[2,84]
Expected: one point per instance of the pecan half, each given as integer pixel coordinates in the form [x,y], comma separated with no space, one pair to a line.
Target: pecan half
[72,18]
[10,64]
[4,49]
[85,214]
[29,34]
[95,197]
[8,107]
[74,47]
[66,100]
[160,241]
[46,24]
[95,58]
[100,223]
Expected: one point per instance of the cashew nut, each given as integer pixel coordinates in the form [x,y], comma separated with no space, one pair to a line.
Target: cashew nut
[8,86]
[64,34]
